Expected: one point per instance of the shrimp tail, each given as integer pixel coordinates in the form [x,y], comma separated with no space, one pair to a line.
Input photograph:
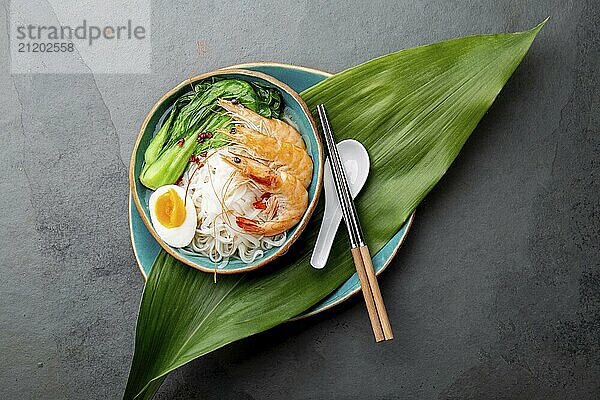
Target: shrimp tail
[249,225]
[269,228]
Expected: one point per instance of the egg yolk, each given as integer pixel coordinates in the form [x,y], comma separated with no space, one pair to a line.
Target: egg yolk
[170,209]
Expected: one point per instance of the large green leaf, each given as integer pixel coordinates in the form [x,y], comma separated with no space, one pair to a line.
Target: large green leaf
[413,110]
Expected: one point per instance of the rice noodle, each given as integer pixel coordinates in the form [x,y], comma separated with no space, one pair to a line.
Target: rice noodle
[220,195]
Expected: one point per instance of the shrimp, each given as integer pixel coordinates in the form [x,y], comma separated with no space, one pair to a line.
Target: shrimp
[281,156]
[273,127]
[287,201]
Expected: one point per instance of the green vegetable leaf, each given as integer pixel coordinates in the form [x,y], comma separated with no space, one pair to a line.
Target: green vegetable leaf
[413,110]
[170,165]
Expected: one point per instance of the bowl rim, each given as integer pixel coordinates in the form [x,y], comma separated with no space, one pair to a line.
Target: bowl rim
[311,206]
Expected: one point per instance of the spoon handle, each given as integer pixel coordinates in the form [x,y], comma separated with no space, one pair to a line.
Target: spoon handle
[331,222]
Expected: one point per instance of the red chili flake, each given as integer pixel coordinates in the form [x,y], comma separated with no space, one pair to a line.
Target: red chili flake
[194,158]
[208,135]
[203,154]
[181,142]
[180,181]
[265,195]
[200,138]
[259,205]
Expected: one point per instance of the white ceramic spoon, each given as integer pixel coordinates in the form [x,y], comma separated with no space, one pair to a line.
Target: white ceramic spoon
[356,166]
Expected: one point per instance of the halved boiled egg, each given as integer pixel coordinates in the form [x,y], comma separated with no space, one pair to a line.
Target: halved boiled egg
[174,219]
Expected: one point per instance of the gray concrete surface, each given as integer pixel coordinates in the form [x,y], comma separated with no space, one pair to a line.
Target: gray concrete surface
[496,293]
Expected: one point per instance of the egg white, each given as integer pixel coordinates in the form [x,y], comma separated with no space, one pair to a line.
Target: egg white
[182,235]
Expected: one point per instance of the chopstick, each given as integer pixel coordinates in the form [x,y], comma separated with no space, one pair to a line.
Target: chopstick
[380,322]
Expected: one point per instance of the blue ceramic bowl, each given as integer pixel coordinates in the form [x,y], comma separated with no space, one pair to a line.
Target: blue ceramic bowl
[295,109]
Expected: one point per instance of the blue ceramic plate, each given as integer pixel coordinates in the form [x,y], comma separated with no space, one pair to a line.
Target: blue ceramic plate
[299,79]
[295,109]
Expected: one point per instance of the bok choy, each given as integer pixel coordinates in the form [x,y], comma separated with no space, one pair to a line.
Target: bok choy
[169,151]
